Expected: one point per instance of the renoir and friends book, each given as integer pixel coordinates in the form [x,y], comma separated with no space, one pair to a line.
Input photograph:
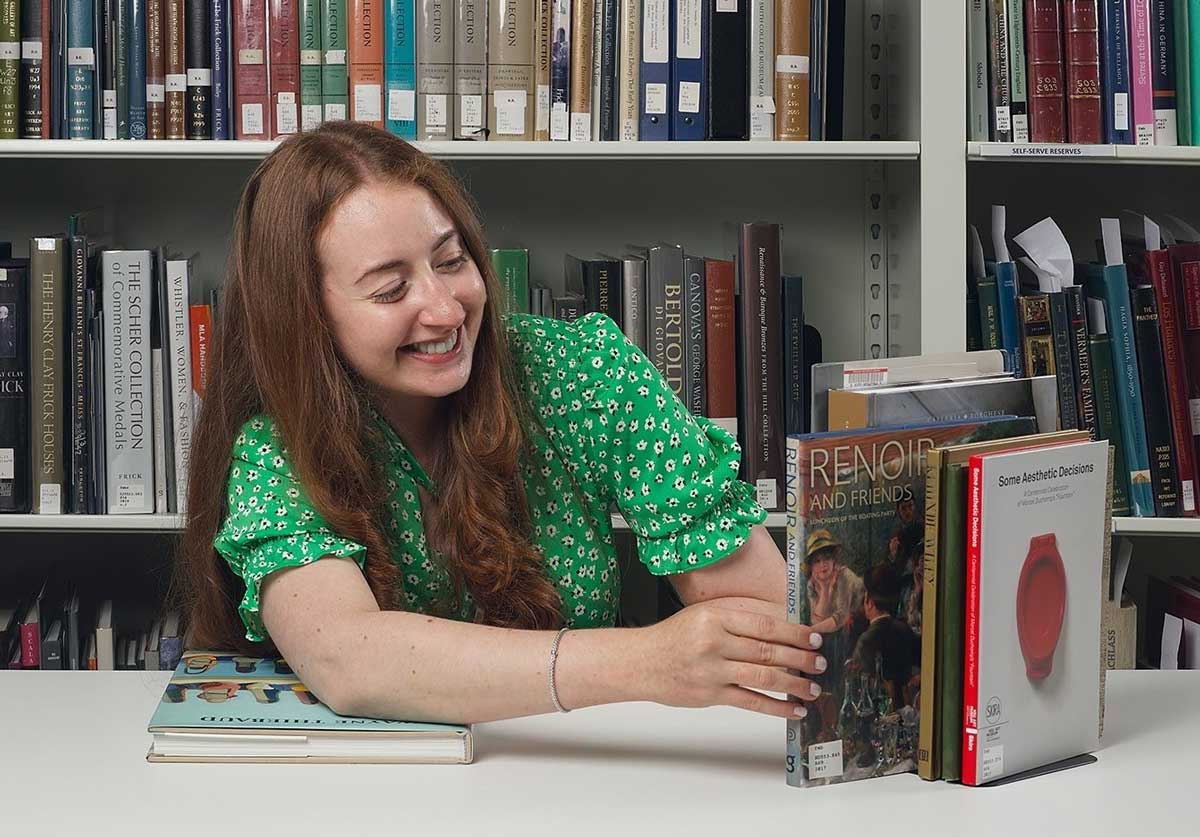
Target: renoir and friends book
[223,707]
[1035,568]
[855,551]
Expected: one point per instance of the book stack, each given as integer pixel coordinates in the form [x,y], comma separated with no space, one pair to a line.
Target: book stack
[954,567]
[568,70]
[1084,71]
[102,367]
[1121,343]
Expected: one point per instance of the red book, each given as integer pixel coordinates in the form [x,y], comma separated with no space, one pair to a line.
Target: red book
[201,320]
[1043,48]
[1081,37]
[1162,277]
[971,621]
[1185,262]
[250,70]
[285,67]
[719,337]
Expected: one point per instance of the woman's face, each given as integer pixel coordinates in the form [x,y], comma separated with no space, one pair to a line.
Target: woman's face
[403,296]
[823,566]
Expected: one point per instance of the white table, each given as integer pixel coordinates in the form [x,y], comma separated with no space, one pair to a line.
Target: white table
[73,746]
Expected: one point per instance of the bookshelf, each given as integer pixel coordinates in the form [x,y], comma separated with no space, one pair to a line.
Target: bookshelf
[1128,154]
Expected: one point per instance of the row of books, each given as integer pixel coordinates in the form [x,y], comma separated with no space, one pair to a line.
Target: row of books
[102,365]
[55,628]
[1119,337]
[1084,71]
[424,69]
[932,557]
[740,358]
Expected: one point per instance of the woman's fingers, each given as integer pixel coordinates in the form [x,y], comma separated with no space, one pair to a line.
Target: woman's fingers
[758,702]
[768,679]
[775,655]
[769,629]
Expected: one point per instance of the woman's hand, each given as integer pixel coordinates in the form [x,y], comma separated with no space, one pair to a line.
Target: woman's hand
[707,655]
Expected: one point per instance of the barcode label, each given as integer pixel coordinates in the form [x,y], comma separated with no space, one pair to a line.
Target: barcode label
[767,492]
[859,378]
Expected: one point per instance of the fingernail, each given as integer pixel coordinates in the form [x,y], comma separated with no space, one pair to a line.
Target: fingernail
[816,690]
[814,640]
[800,711]
[820,663]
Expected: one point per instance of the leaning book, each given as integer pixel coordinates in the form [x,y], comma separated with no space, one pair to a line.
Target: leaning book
[855,553]
[226,708]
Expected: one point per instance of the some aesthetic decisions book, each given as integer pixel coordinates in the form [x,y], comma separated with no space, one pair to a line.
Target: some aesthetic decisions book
[1035,582]
[223,707]
[855,547]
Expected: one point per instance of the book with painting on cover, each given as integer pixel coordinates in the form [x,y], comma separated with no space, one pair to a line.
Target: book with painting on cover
[224,707]
[855,547]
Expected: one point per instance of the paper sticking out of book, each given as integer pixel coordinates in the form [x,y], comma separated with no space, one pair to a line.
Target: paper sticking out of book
[999,223]
[1153,235]
[1110,229]
[1049,255]
[223,707]
[978,263]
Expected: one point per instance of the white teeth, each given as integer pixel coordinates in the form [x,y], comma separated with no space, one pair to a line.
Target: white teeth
[437,348]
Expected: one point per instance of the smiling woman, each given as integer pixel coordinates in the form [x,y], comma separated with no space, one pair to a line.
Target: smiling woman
[407,493]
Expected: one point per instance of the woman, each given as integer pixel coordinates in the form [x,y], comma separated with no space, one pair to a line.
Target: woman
[453,470]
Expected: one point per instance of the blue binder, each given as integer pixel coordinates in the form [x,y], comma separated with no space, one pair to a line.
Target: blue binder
[654,98]
[689,60]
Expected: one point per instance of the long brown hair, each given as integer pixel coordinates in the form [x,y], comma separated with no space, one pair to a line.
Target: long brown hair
[269,360]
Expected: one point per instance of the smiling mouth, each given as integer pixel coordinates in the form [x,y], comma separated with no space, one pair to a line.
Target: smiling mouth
[436,348]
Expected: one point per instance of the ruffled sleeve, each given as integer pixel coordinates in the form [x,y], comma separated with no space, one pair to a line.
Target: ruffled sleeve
[270,525]
[673,476]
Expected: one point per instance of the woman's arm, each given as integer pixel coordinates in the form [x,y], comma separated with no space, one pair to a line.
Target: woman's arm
[364,661]
[756,570]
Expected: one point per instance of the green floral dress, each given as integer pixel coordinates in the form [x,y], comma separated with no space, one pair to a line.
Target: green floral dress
[610,433]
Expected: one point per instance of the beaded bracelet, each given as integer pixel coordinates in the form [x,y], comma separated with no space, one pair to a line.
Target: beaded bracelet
[553,658]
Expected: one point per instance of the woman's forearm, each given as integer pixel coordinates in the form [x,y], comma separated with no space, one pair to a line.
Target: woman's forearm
[414,667]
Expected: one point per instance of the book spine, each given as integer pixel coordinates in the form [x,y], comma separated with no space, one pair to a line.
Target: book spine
[470,69]
[793,47]
[512,271]
[674,339]
[694,312]
[1141,71]
[16,393]
[48,296]
[595,72]
[1017,88]
[284,67]
[951,610]
[1037,335]
[510,104]
[1082,364]
[629,51]
[977,72]
[10,69]
[156,90]
[762,451]
[688,60]
[97,44]
[55,35]
[720,341]
[120,33]
[198,60]
[137,69]
[435,69]
[158,396]
[989,314]
[604,96]
[1162,277]
[970,717]
[108,69]
[1163,470]
[311,113]
[176,66]
[928,752]
[1064,362]
[365,61]
[1183,71]
[1108,423]
[1114,48]
[399,68]
[127,382]
[582,46]
[164,423]
[35,76]
[81,84]
[1047,108]
[1163,80]
[252,100]
[795,593]
[793,358]
[543,38]
[179,375]
[1081,29]
[762,69]
[560,72]
[727,65]
[974,320]
[77,441]
[200,320]
[219,15]
[1006,297]
[335,83]
[655,69]
[633,302]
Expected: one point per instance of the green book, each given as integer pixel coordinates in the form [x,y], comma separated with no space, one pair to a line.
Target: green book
[1192,33]
[335,85]
[1183,73]
[952,562]
[1108,422]
[311,110]
[512,269]
[989,314]
[1016,70]
[10,69]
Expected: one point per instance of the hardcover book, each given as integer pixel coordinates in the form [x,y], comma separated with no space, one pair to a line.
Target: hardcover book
[224,707]
[855,546]
[1036,529]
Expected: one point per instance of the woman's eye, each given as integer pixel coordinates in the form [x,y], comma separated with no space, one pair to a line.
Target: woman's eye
[392,293]
[455,263]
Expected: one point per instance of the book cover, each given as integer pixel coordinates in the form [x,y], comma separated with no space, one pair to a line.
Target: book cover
[720,341]
[760,361]
[1036,527]
[252,100]
[695,335]
[1165,75]
[198,59]
[1114,58]
[629,53]
[435,69]
[15,393]
[470,69]
[365,61]
[156,80]
[311,111]
[761,59]
[1164,472]
[793,49]
[335,85]
[400,68]
[1081,42]
[512,271]
[283,21]
[510,103]
[48,285]
[1043,38]
[855,546]
[1064,361]
[1141,72]
[220,21]
[175,76]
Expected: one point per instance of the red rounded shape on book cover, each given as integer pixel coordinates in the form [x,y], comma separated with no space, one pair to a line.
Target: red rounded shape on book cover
[1041,605]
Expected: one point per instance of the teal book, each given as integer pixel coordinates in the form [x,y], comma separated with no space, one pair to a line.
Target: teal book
[226,707]
[81,76]
[400,69]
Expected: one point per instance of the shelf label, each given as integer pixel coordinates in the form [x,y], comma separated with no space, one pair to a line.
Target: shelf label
[8,467]
[859,378]
[1049,150]
[50,495]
